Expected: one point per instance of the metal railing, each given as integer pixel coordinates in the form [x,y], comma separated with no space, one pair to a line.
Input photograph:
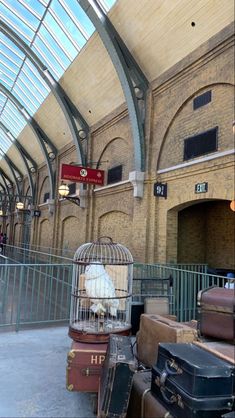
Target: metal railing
[34,294]
[39,293]
[64,252]
[181,286]
[24,255]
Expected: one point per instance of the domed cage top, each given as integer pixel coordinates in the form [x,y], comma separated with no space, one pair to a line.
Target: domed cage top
[101,291]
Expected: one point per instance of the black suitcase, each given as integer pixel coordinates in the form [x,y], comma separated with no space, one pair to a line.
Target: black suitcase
[192,382]
[116,377]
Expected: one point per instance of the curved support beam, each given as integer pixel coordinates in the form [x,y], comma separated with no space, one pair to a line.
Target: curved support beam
[5,178]
[40,135]
[3,188]
[133,81]
[65,103]
[14,170]
[25,157]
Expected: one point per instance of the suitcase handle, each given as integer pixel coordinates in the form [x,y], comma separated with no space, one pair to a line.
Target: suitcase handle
[90,372]
[170,400]
[171,369]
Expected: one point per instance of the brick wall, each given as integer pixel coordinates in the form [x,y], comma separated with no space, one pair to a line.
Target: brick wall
[157,229]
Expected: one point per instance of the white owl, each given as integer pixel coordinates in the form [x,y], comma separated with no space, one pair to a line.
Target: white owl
[99,285]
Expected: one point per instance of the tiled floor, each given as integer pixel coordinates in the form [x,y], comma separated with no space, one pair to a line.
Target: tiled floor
[33,376]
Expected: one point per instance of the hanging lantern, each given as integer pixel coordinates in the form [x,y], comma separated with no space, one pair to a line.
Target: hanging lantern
[232,205]
[101,291]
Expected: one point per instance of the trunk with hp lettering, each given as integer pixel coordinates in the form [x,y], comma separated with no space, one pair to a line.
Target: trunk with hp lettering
[116,378]
[84,366]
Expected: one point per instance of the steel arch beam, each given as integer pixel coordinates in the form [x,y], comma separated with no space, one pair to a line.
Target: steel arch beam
[68,108]
[3,188]
[42,138]
[25,157]
[13,170]
[5,178]
[130,75]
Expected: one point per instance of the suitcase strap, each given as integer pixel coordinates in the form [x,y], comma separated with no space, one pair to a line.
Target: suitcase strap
[88,371]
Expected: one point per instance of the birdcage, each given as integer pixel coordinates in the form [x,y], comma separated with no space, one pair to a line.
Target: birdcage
[101,291]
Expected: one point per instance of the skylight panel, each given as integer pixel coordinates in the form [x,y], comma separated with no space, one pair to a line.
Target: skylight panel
[25,100]
[12,113]
[32,83]
[29,90]
[67,26]
[7,73]
[47,58]
[10,123]
[21,13]
[33,7]
[16,24]
[5,141]
[10,47]
[61,41]
[6,81]
[53,44]
[35,74]
[10,56]
[79,17]
[8,64]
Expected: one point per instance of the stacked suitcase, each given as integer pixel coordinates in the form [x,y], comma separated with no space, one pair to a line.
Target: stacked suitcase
[217,313]
[192,378]
[192,382]
[84,363]
[116,378]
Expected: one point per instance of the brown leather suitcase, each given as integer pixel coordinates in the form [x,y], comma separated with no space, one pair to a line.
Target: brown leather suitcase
[155,329]
[217,313]
[156,305]
[221,349]
[142,403]
[84,366]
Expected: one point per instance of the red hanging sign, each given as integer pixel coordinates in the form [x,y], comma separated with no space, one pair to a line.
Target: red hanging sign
[82,174]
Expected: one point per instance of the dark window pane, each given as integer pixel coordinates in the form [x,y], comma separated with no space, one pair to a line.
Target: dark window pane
[72,188]
[46,196]
[202,100]
[201,144]
[114,174]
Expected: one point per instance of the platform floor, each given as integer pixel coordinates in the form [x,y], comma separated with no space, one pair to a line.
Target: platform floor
[33,376]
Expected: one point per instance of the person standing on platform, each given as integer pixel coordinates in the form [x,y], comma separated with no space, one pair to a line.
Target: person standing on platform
[230,283]
[4,241]
[1,243]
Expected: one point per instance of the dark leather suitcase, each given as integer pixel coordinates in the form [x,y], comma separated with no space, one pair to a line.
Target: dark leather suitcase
[142,403]
[84,366]
[217,313]
[192,382]
[116,377]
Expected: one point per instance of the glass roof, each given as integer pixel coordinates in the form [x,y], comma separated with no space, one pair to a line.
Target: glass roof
[56,31]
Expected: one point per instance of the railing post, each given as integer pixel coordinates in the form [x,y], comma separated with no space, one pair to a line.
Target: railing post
[19,298]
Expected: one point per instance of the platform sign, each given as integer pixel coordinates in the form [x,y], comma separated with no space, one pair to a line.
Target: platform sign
[160,190]
[81,174]
[201,187]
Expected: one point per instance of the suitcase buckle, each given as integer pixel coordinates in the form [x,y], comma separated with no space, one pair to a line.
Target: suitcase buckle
[171,364]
